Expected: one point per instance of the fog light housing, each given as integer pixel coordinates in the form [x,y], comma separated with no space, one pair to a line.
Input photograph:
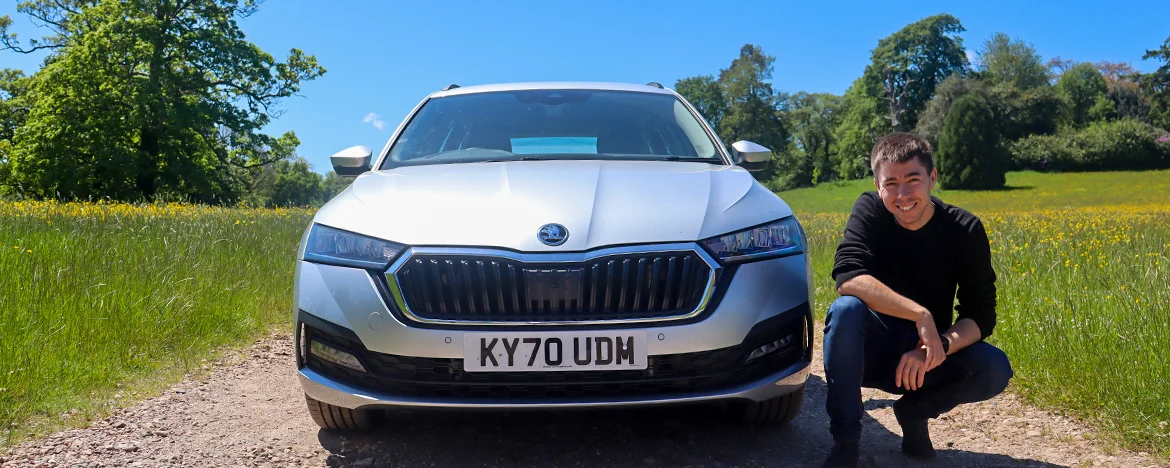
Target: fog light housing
[335,356]
[302,346]
[770,348]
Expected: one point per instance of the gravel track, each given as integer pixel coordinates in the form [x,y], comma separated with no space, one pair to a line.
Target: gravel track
[249,411]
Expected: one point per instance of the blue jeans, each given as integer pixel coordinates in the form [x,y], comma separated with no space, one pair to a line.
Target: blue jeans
[863,348]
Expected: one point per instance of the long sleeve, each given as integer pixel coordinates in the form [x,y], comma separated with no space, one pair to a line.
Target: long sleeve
[855,253]
[977,281]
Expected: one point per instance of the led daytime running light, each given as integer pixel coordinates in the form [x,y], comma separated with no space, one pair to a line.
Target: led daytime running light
[336,356]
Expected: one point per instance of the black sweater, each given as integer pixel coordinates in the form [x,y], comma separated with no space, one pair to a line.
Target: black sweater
[926,266]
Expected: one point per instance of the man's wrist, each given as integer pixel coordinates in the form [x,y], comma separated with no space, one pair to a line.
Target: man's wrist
[946,343]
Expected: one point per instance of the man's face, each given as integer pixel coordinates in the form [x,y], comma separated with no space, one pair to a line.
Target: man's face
[905,190]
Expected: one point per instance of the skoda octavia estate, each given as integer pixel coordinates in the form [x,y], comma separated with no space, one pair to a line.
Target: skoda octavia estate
[553,245]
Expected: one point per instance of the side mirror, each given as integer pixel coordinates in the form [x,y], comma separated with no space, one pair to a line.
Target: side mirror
[352,161]
[751,156]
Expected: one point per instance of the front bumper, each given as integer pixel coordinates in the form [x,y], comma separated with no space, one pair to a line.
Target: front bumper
[391,380]
[323,389]
[691,361]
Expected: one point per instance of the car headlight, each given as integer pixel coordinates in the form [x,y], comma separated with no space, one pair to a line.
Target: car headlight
[343,248]
[776,239]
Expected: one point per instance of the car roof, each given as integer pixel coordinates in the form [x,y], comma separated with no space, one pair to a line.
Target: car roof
[488,88]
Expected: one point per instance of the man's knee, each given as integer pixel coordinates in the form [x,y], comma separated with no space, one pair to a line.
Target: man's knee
[846,315]
[996,370]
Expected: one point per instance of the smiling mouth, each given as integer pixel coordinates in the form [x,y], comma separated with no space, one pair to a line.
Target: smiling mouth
[906,208]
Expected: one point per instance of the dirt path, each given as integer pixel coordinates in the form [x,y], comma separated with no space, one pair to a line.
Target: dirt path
[250,412]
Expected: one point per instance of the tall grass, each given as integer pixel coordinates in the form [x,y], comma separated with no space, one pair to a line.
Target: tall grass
[93,294]
[1084,308]
[1025,190]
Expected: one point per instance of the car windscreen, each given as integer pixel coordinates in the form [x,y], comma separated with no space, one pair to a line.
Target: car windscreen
[552,124]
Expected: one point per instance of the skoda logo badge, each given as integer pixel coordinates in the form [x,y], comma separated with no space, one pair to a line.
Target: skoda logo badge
[553,234]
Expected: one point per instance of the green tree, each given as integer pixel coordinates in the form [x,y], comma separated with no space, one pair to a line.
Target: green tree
[705,93]
[1025,112]
[333,185]
[296,184]
[1019,113]
[1004,61]
[751,105]
[1103,109]
[907,65]
[1156,86]
[13,113]
[970,153]
[1124,90]
[149,98]
[812,118]
[862,122]
[1082,87]
[932,120]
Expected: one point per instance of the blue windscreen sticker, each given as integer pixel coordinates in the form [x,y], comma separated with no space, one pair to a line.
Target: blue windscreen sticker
[555,145]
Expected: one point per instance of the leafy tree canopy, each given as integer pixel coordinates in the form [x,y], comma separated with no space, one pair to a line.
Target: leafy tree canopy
[907,65]
[1082,87]
[705,93]
[862,122]
[970,154]
[1003,60]
[812,117]
[150,98]
[1156,85]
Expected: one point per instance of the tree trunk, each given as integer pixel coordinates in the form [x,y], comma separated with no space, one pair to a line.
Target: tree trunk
[150,135]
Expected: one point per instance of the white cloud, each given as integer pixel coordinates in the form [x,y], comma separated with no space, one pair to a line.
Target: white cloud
[375,120]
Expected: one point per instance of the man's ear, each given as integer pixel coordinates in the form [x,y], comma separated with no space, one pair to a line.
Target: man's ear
[933,177]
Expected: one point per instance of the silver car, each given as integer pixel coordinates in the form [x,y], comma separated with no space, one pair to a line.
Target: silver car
[553,245]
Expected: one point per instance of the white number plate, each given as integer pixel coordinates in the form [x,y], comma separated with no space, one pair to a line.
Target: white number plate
[554,351]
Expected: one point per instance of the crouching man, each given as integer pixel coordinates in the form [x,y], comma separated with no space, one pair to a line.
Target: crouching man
[897,270]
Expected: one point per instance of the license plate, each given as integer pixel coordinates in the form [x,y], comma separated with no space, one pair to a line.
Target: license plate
[554,351]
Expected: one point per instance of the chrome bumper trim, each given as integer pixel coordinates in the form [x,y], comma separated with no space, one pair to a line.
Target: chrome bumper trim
[323,389]
[399,300]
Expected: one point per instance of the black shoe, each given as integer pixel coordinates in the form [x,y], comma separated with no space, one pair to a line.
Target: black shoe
[844,454]
[915,435]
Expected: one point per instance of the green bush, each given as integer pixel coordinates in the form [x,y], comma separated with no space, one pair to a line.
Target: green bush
[1119,145]
[970,155]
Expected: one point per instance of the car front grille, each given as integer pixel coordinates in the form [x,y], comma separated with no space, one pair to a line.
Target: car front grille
[498,289]
[664,375]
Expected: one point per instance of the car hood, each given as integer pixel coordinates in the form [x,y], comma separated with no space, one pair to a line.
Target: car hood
[504,204]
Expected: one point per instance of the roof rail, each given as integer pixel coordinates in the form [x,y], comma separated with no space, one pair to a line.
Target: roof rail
[655,84]
[450,87]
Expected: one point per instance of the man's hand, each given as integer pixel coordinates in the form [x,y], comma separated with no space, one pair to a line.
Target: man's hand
[911,370]
[884,300]
[929,340]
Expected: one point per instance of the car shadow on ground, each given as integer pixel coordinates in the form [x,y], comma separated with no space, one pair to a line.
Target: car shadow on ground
[675,436]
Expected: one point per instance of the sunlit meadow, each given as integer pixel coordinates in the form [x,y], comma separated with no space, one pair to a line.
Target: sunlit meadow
[1084,306]
[94,296]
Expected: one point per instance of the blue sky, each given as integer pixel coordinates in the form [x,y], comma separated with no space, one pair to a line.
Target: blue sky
[384,56]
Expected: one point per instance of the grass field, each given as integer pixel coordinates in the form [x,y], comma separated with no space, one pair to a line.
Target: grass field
[1025,191]
[1084,289]
[93,297]
[98,300]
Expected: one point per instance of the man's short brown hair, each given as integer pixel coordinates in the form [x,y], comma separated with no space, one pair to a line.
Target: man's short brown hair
[899,148]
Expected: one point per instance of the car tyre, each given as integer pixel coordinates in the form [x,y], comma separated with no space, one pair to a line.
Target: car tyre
[335,417]
[779,411]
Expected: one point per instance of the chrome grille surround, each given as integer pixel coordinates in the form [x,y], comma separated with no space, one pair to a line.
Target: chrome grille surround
[567,258]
